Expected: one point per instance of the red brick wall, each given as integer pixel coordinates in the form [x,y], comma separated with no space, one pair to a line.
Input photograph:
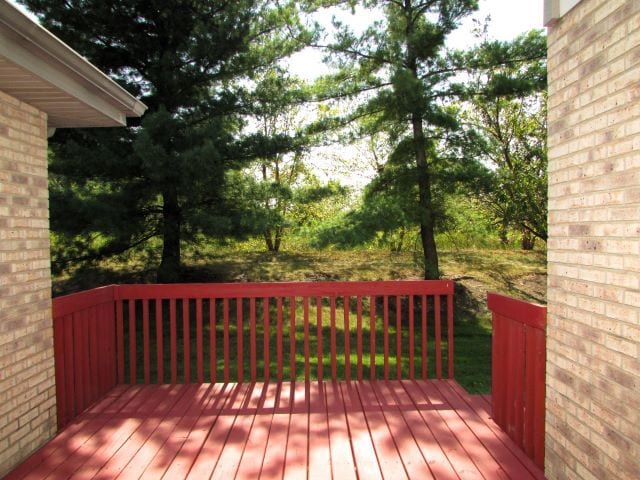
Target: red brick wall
[593,366]
[27,392]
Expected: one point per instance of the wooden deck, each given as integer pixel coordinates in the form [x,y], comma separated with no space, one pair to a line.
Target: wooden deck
[341,430]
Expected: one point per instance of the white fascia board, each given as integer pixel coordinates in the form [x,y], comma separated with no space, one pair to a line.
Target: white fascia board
[34,48]
[554,10]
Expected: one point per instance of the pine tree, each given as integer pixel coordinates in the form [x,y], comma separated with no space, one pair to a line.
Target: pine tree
[190,62]
[399,63]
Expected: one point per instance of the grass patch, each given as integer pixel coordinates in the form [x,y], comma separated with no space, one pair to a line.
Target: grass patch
[332,335]
[515,273]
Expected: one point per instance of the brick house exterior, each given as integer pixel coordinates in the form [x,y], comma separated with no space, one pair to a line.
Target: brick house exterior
[593,352]
[27,390]
[43,85]
[593,344]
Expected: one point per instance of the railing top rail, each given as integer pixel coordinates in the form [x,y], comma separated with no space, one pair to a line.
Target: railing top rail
[67,304]
[527,313]
[284,289]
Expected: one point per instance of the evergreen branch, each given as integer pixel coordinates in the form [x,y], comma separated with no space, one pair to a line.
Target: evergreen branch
[354,53]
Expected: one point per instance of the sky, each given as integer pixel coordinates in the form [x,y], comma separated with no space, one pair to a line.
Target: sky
[509,18]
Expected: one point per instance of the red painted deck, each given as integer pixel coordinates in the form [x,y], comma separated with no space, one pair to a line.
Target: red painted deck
[385,429]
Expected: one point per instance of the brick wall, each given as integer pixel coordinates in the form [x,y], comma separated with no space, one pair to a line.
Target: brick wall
[593,369]
[27,392]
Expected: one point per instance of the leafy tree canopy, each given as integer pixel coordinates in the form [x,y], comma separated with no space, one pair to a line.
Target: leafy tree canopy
[192,63]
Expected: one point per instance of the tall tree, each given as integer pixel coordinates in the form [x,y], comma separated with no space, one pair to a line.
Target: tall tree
[399,62]
[516,131]
[276,100]
[511,115]
[187,60]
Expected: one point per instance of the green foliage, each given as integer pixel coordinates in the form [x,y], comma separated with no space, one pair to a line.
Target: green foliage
[432,155]
[513,122]
[468,225]
[399,67]
[279,191]
[191,62]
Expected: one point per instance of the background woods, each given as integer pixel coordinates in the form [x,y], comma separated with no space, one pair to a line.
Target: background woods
[235,151]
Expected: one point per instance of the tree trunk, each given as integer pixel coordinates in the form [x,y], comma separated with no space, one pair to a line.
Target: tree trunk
[427,231]
[504,239]
[268,241]
[398,246]
[278,240]
[169,270]
[528,240]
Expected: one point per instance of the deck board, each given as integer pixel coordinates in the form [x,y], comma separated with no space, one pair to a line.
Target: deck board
[388,457]
[363,449]
[319,455]
[340,448]
[359,429]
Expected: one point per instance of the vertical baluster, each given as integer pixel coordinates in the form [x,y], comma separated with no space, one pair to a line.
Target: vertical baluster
[78,361]
[252,338]
[411,340]
[132,342]
[279,338]
[438,335]
[173,340]
[334,373]
[398,337]
[320,356]
[86,358]
[267,334]
[145,342]
[213,357]
[307,353]
[120,340]
[225,338]
[186,340]
[347,339]
[359,335]
[94,340]
[292,338]
[372,335]
[101,373]
[112,350]
[450,335]
[61,371]
[159,339]
[425,343]
[69,362]
[240,336]
[199,342]
[385,327]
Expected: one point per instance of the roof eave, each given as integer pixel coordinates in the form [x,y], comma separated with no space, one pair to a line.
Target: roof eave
[33,48]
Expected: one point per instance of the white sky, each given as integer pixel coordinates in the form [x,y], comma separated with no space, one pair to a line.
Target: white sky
[509,18]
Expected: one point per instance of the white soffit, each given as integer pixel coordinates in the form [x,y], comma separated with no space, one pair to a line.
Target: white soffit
[39,69]
[556,9]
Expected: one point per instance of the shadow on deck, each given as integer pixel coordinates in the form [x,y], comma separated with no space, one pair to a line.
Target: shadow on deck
[360,429]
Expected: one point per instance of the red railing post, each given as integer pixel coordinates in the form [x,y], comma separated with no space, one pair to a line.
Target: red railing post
[518,371]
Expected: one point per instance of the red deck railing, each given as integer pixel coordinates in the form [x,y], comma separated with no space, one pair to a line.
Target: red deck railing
[518,372]
[194,333]
[84,332]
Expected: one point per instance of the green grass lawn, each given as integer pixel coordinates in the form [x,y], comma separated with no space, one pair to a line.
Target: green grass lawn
[515,273]
[295,330]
